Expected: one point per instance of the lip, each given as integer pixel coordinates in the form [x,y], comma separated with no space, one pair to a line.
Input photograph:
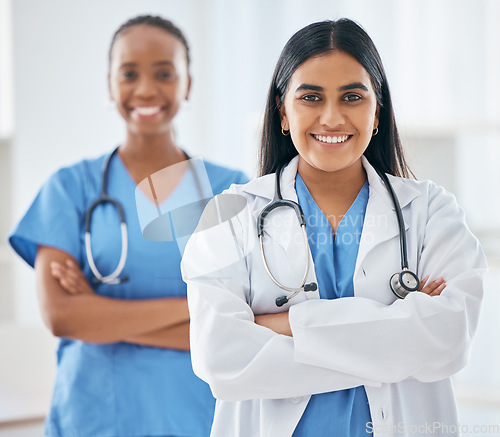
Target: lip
[330,139]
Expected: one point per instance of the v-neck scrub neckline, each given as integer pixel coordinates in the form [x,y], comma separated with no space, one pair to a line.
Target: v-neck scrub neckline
[343,412]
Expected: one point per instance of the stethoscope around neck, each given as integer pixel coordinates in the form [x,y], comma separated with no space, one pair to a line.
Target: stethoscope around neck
[114,277]
[401,283]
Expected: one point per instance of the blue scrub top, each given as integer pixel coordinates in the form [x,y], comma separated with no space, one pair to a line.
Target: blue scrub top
[118,389]
[344,412]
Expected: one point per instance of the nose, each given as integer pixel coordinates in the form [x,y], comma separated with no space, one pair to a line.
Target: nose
[146,88]
[331,114]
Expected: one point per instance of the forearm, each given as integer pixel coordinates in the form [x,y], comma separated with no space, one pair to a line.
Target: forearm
[97,319]
[174,337]
[275,322]
[424,337]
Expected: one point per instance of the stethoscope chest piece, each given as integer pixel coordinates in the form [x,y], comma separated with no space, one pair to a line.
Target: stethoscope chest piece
[404,283]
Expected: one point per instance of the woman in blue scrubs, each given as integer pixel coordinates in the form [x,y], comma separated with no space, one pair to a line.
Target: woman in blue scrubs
[124,365]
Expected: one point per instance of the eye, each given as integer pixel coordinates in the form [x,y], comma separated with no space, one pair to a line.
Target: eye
[164,75]
[310,98]
[129,75]
[351,97]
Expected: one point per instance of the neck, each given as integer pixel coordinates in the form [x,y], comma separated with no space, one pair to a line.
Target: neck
[334,192]
[144,155]
[345,183]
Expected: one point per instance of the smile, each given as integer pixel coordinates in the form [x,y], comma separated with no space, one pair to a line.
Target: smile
[332,139]
[147,110]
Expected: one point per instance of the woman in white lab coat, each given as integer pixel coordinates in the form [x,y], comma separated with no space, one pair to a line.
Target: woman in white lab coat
[349,358]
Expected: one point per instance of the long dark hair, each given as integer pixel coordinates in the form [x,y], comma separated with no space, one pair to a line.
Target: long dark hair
[384,151]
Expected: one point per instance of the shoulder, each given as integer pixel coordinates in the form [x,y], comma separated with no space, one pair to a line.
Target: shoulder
[75,183]
[431,201]
[426,189]
[262,186]
[80,170]
[245,198]
[222,177]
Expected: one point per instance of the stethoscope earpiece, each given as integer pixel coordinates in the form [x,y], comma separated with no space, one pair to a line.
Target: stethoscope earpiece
[282,300]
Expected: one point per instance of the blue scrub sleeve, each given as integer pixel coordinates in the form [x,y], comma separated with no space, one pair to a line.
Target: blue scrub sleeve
[54,218]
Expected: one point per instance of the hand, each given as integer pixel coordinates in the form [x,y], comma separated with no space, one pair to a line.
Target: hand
[276,322]
[433,288]
[71,277]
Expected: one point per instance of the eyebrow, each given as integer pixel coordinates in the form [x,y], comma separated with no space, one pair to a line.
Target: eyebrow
[354,86]
[351,86]
[156,64]
[306,86]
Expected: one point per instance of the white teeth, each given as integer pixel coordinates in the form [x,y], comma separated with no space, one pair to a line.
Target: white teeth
[331,140]
[147,110]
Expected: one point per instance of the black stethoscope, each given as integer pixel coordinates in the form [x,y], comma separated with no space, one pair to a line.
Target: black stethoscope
[401,283]
[114,277]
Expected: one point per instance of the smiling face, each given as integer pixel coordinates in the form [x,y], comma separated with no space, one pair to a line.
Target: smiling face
[331,111]
[148,79]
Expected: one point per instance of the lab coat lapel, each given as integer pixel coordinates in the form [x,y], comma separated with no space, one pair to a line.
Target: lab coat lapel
[381,222]
[282,223]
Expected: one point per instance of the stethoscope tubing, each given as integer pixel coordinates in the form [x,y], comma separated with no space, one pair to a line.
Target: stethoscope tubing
[401,283]
[293,290]
[112,278]
[399,214]
[278,202]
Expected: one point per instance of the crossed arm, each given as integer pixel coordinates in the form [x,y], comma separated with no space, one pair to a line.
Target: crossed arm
[72,309]
[280,324]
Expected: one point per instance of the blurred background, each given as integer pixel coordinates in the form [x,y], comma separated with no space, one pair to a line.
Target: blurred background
[442,58]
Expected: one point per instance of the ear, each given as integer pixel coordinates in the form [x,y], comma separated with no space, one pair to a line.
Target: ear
[376,121]
[110,91]
[283,117]
[188,87]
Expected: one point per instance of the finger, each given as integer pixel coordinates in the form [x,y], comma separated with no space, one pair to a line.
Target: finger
[429,288]
[438,290]
[70,263]
[71,274]
[55,268]
[422,283]
[73,267]
[434,286]
[68,286]
[76,274]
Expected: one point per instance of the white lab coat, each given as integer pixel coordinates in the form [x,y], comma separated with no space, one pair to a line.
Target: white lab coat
[402,351]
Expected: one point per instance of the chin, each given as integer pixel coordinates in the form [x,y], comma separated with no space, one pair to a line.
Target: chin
[330,164]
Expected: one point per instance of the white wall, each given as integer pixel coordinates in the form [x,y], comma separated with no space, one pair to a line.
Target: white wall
[442,58]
